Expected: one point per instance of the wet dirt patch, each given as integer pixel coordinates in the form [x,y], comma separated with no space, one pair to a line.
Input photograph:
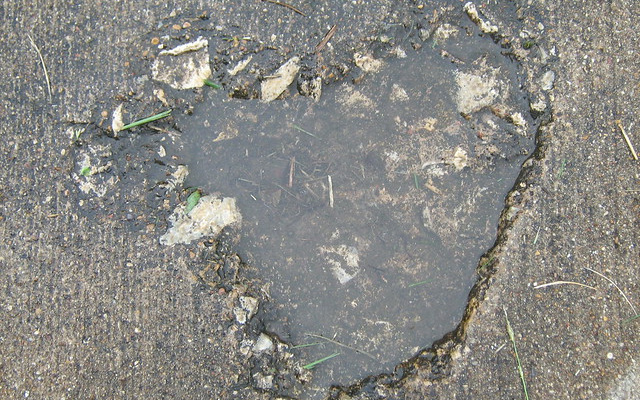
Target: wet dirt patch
[367,211]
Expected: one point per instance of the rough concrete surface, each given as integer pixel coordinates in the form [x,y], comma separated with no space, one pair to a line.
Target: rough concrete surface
[92,306]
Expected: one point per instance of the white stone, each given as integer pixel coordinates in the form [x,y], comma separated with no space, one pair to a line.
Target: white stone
[264,382]
[263,343]
[479,89]
[198,44]
[207,218]
[183,67]
[473,14]
[445,31]
[116,120]
[240,66]
[273,87]
[367,63]
[343,261]
[547,80]
[248,308]
[460,159]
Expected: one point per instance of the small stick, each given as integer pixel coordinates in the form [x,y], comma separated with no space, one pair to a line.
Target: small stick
[616,286]
[292,169]
[330,191]
[342,344]
[290,7]
[326,38]
[563,283]
[626,139]
[44,66]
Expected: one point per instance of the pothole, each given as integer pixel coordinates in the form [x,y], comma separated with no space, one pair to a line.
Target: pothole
[367,210]
[364,205]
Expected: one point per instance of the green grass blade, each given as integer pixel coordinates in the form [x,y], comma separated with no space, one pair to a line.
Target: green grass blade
[192,200]
[212,84]
[147,120]
[316,362]
[515,350]
[420,283]
[626,321]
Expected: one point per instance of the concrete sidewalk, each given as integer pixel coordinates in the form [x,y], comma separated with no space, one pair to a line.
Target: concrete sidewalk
[93,306]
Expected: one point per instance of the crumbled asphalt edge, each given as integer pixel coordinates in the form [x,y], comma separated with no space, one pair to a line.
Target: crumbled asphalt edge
[434,363]
[233,276]
[215,264]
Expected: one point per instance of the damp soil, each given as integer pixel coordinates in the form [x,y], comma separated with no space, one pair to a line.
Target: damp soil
[366,212]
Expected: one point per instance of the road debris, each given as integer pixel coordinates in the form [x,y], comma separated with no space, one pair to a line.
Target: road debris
[285,5]
[367,63]
[44,66]
[327,37]
[207,218]
[479,89]
[473,14]
[274,85]
[247,309]
[183,67]
[627,140]
[240,66]
[343,261]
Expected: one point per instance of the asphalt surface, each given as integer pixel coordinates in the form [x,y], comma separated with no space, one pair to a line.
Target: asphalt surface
[93,306]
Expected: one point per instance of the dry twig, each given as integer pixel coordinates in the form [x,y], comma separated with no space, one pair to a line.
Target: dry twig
[563,283]
[616,286]
[626,139]
[326,38]
[292,170]
[289,6]
[44,66]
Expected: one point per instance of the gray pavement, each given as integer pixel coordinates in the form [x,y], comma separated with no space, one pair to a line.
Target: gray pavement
[93,306]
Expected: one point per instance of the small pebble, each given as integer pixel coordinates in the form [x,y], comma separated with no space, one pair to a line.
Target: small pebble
[176,27]
[155,41]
